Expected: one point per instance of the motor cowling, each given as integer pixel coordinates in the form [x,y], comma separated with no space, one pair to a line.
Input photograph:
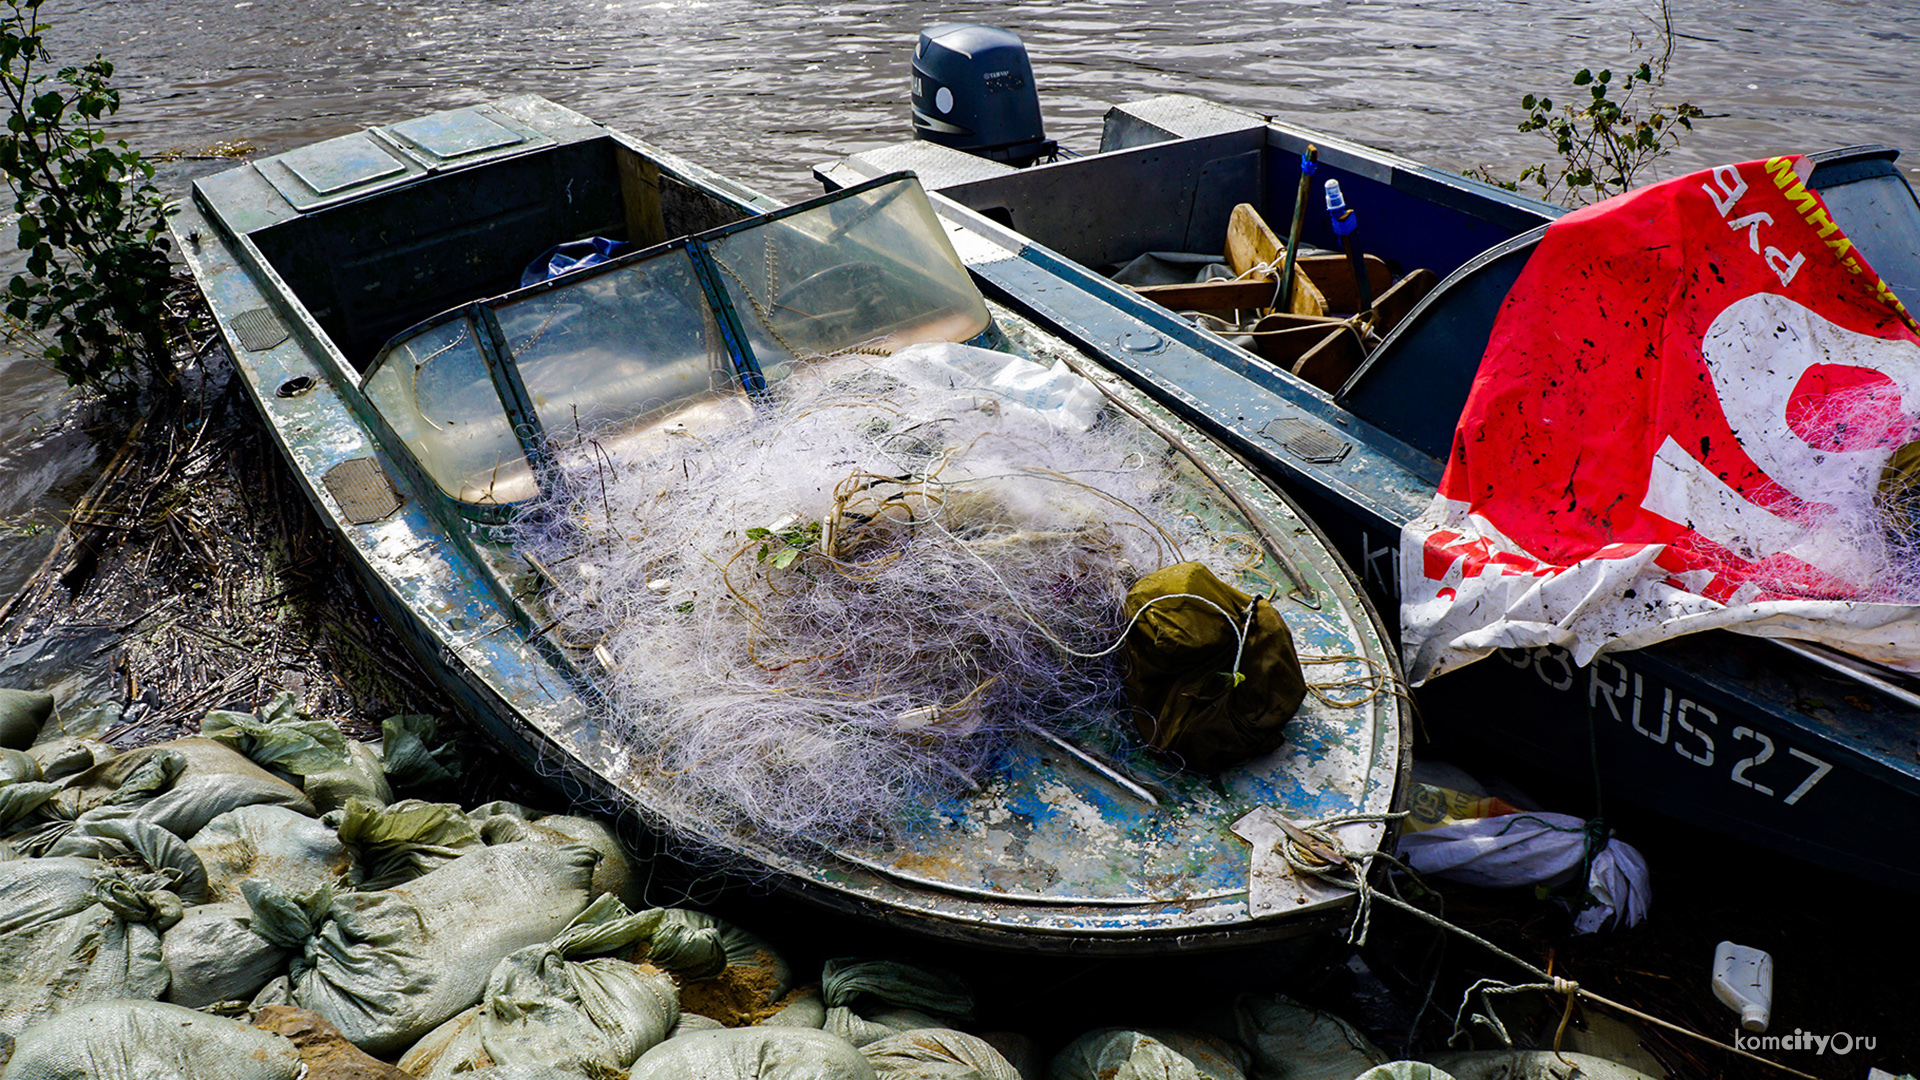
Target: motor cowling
[973,90]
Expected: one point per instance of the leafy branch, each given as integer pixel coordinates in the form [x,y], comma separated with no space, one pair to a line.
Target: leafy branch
[90,219]
[781,547]
[1611,138]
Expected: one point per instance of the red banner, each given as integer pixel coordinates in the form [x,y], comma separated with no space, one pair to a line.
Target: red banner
[1681,421]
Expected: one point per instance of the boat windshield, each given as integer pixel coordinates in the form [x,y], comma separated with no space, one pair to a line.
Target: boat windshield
[608,353]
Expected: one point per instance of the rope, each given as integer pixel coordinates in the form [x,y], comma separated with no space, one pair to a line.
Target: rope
[1351,870]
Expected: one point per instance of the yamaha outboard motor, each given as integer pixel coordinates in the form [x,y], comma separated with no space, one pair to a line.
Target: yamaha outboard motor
[973,90]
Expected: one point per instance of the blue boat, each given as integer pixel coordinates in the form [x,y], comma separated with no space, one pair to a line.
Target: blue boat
[370,290]
[1792,747]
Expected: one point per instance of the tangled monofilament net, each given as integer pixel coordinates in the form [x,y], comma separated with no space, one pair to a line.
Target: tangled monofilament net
[1861,526]
[849,605]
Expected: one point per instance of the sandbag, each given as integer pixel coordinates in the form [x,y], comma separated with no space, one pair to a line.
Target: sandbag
[845,981]
[63,757]
[755,1053]
[1420,1070]
[37,891]
[131,840]
[361,776]
[410,759]
[18,766]
[688,943]
[937,1054]
[397,843]
[23,788]
[613,876]
[876,1025]
[22,714]
[1292,1042]
[386,967]
[1196,690]
[179,785]
[543,1007]
[107,950]
[148,1040]
[296,852]
[804,1009]
[279,737]
[213,955]
[749,989]
[1120,1054]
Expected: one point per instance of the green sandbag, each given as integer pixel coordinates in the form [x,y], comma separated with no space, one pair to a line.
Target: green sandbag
[937,1054]
[615,874]
[122,841]
[1188,696]
[106,950]
[149,1040]
[19,767]
[1292,1042]
[363,776]
[22,714]
[844,981]
[755,1053]
[396,843]
[23,788]
[544,1007]
[279,737]
[179,785]
[387,967]
[68,755]
[689,944]
[1121,1054]
[749,989]
[213,955]
[295,852]
[410,762]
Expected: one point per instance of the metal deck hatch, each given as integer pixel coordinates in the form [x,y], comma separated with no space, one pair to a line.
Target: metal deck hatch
[454,134]
[361,488]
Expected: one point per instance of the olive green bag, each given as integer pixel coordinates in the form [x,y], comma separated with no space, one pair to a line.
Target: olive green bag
[1181,681]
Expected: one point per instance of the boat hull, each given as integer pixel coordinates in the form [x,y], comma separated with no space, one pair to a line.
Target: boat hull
[1780,745]
[449,591]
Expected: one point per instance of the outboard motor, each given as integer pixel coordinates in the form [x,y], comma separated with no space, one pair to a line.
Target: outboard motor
[973,90]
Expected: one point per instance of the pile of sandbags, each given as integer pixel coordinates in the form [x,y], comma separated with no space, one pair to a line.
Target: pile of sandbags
[254,904]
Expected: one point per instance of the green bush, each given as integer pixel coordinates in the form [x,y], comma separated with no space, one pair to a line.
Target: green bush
[93,296]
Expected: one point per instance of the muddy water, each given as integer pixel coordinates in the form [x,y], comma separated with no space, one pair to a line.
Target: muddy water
[762,89]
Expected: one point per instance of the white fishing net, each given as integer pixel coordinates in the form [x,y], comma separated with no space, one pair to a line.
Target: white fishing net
[822,616]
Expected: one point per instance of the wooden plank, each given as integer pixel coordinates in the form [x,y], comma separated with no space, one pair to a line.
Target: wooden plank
[1250,242]
[1335,279]
[640,198]
[1232,295]
[1211,295]
[1328,364]
[1393,305]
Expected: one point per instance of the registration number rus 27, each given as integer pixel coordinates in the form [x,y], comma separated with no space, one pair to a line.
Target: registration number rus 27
[1751,759]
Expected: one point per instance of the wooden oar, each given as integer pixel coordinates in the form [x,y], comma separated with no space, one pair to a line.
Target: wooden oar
[1308,162]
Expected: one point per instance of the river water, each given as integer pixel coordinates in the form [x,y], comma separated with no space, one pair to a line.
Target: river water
[763,89]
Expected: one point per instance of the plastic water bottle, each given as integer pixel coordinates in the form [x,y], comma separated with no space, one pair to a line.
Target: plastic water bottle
[1743,981]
